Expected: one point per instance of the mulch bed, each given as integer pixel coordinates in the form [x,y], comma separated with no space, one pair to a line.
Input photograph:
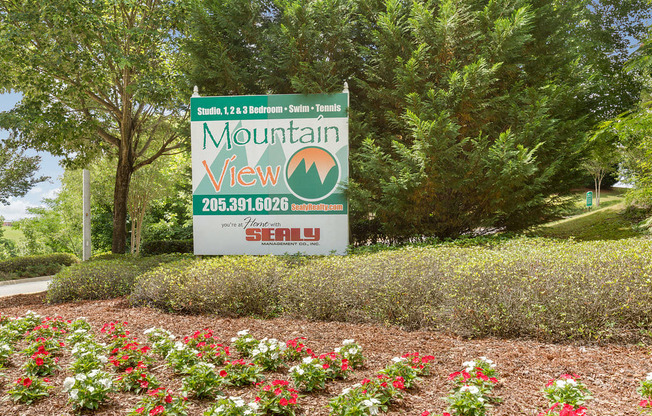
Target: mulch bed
[611,372]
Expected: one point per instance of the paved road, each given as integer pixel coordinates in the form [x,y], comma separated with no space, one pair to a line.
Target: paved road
[24,286]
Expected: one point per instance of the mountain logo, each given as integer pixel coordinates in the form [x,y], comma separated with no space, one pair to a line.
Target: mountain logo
[312,173]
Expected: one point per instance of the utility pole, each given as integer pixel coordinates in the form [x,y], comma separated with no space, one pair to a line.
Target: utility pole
[86,253]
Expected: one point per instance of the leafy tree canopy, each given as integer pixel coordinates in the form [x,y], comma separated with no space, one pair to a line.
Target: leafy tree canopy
[17,173]
[96,76]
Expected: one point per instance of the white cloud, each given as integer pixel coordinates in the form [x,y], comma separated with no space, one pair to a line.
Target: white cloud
[52,193]
[16,210]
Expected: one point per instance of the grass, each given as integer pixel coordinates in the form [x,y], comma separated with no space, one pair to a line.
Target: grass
[609,221]
[13,234]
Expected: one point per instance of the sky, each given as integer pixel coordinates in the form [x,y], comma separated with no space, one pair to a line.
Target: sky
[17,207]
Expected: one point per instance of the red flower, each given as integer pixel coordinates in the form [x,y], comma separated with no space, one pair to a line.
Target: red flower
[325,366]
[283,402]
[425,413]
[140,410]
[278,392]
[644,403]
[157,410]
[129,370]
[27,382]
[399,384]
[280,383]
[39,361]
[223,373]
[168,399]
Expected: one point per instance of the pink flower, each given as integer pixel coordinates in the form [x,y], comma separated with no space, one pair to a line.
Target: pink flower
[140,410]
[283,402]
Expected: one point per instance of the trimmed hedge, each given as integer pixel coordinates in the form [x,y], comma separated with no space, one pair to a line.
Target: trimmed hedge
[33,266]
[545,289]
[231,286]
[151,248]
[100,278]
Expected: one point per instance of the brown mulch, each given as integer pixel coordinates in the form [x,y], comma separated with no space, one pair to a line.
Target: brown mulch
[611,372]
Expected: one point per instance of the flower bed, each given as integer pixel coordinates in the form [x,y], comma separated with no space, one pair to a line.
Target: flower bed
[403,393]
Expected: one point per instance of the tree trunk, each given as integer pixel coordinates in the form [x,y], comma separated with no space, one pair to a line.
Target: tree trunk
[120,195]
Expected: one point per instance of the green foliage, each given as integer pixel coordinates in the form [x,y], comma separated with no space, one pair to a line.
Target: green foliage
[234,285]
[105,277]
[506,290]
[17,173]
[93,280]
[464,113]
[32,266]
[106,80]
[170,246]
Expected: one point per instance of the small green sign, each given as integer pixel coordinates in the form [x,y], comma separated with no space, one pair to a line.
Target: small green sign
[589,199]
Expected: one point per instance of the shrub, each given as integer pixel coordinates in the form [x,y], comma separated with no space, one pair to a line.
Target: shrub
[32,266]
[166,246]
[93,280]
[232,286]
[545,289]
[105,277]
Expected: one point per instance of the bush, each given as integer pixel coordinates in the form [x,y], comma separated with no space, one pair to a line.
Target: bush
[105,277]
[535,288]
[233,286]
[93,280]
[32,266]
[151,248]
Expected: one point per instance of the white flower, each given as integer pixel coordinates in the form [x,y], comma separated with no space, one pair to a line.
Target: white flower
[263,348]
[560,384]
[93,373]
[81,377]
[253,405]
[649,377]
[102,359]
[238,401]
[348,341]
[398,359]
[243,332]
[346,391]
[307,360]
[106,383]
[337,349]
[371,404]
[68,383]
[91,389]
[300,371]
[74,394]
[571,382]
[470,389]
[234,339]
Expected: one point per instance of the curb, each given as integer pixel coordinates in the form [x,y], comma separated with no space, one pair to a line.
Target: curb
[26,280]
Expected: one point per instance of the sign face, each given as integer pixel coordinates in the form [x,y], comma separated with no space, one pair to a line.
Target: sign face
[589,199]
[268,174]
